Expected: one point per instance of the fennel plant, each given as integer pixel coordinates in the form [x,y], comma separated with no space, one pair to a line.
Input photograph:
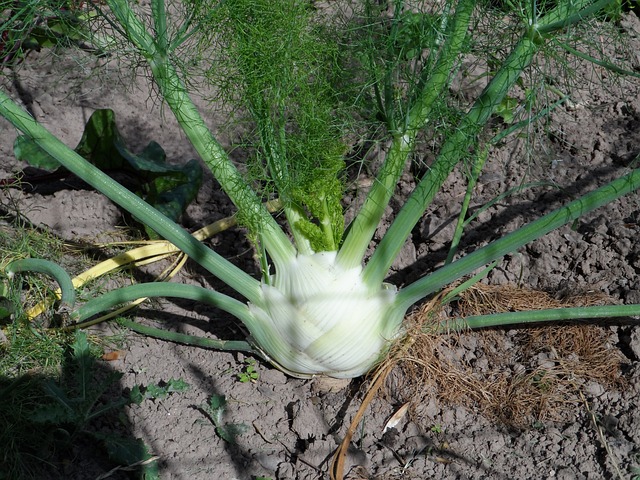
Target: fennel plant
[322,305]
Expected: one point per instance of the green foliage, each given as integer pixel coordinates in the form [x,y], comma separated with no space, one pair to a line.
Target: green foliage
[6,305]
[437,428]
[24,346]
[130,452]
[27,26]
[157,391]
[506,109]
[28,349]
[169,188]
[74,399]
[278,64]
[215,410]
[396,46]
[416,32]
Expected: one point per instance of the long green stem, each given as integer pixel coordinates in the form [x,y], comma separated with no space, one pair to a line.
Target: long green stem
[511,242]
[159,14]
[365,224]
[162,289]
[175,290]
[539,316]
[476,169]
[175,94]
[452,152]
[602,63]
[457,145]
[472,178]
[68,292]
[202,342]
[166,228]
[567,14]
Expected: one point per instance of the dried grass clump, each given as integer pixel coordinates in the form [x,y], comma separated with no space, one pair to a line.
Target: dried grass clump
[515,376]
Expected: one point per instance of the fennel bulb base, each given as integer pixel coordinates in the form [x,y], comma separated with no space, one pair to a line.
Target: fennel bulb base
[317,318]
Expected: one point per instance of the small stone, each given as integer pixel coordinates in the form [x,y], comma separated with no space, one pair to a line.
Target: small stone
[634,342]
[593,389]
[323,384]
[269,461]
[272,376]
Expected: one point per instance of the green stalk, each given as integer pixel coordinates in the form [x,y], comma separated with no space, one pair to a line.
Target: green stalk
[539,316]
[567,13]
[602,63]
[476,169]
[159,14]
[166,228]
[564,15]
[273,145]
[364,226]
[472,179]
[183,338]
[68,292]
[390,103]
[511,242]
[176,290]
[175,94]
[452,152]
[162,289]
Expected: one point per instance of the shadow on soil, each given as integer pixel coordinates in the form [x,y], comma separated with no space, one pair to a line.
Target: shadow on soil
[478,233]
[70,426]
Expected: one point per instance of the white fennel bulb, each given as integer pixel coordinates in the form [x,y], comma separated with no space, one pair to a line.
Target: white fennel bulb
[316,317]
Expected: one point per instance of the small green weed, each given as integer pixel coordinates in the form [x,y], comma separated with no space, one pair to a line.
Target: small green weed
[157,391]
[249,372]
[79,399]
[215,411]
[43,416]
[437,428]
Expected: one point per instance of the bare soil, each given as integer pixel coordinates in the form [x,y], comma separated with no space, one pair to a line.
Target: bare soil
[587,428]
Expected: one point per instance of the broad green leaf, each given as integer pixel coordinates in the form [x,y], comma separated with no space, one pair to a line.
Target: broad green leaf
[169,188]
[217,402]
[136,396]
[177,385]
[216,407]
[64,410]
[54,413]
[6,308]
[28,151]
[6,305]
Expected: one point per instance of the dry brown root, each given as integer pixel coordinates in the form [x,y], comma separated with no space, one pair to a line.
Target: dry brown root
[517,376]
